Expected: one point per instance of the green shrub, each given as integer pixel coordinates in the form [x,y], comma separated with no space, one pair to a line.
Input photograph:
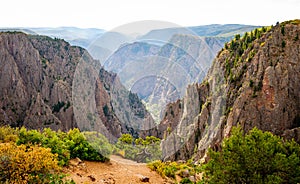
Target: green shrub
[170,169]
[57,143]
[257,157]
[99,143]
[282,30]
[81,148]
[296,37]
[140,150]
[48,139]
[106,110]
[32,156]
[283,43]
[32,137]
[68,145]
[186,181]
[251,83]
[59,105]
[126,138]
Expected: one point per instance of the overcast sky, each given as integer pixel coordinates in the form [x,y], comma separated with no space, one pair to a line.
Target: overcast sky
[108,14]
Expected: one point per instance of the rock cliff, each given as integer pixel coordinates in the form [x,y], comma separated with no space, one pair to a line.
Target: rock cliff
[46,82]
[254,82]
[159,65]
[160,74]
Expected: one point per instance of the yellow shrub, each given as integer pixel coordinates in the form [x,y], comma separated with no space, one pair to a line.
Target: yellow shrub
[26,164]
[8,134]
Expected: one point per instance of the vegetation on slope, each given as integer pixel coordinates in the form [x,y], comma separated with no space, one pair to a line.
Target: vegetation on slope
[37,156]
[171,169]
[28,164]
[255,157]
[140,150]
[241,51]
[67,145]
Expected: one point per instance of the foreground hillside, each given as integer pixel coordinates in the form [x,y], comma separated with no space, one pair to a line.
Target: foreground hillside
[46,82]
[253,82]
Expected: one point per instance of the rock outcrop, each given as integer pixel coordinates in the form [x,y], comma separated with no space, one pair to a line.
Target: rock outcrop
[126,105]
[46,82]
[254,82]
[159,65]
[160,74]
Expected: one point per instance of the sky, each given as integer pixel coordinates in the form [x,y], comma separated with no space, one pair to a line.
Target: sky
[109,14]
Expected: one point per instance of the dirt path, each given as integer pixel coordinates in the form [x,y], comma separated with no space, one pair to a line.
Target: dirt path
[117,171]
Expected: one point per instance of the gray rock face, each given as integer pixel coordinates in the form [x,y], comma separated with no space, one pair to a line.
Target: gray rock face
[46,82]
[30,83]
[160,74]
[258,87]
[126,105]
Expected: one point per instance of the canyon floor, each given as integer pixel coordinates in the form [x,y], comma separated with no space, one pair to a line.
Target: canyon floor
[117,171]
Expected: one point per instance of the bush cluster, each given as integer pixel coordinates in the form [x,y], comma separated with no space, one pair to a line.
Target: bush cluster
[164,169]
[171,169]
[257,157]
[32,156]
[8,134]
[68,145]
[140,150]
[27,164]
[253,157]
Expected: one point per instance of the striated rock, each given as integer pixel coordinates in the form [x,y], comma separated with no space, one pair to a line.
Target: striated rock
[159,74]
[29,86]
[254,86]
[46,82]
[160,65]
[126,105]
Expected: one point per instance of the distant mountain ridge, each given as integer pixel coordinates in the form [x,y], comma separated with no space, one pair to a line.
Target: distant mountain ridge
[213,30]
[85,37]
[145,59]
[82,37]
[158,66]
